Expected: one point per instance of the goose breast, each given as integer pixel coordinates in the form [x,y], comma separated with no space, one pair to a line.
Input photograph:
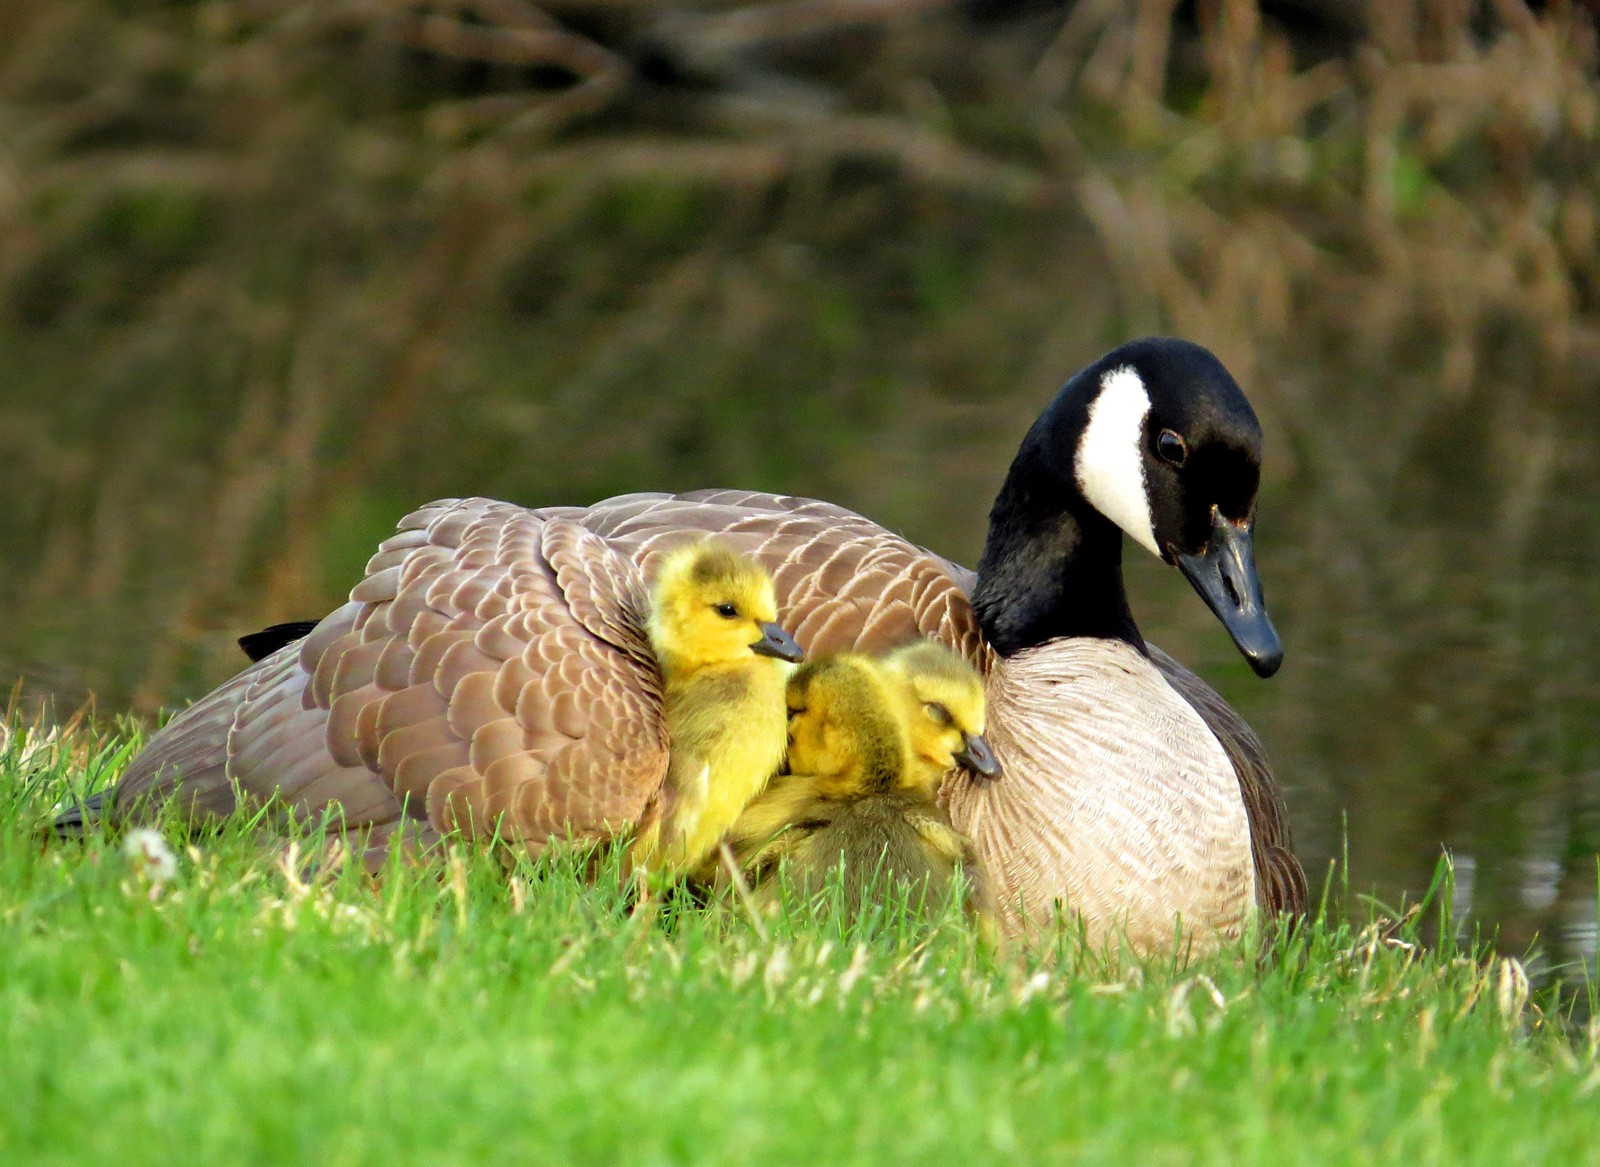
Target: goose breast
[1117,803]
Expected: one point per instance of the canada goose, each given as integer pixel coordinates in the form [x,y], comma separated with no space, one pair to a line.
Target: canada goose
[869,744]
[481,672]
[713,628]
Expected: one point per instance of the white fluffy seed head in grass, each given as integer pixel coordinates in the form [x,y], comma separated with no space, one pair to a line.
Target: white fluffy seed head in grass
[149,855]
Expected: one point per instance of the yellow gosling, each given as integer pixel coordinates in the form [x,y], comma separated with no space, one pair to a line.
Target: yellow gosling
[713,628]
[869,742]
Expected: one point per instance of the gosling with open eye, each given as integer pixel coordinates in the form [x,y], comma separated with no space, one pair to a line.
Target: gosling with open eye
[724,664]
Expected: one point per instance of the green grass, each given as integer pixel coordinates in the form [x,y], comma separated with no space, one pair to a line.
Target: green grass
[239,1014]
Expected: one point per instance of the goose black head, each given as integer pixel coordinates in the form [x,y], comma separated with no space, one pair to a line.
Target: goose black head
[1170,451]
[1154,440]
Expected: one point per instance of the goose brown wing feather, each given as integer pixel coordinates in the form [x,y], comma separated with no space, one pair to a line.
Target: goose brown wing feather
[188,757]
[462,675]
[1280,880]
[604,591]
[278,746]
[535,709]
[580,749]
[203,759]
[843,582]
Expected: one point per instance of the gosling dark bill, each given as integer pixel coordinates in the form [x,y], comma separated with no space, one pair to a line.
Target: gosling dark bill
[776,642]
[977,758]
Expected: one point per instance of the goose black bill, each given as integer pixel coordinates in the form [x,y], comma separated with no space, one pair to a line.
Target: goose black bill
[976,756]
[776,642]
[1225,576]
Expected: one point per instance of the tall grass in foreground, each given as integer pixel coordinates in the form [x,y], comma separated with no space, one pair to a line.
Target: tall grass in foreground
[225,1008]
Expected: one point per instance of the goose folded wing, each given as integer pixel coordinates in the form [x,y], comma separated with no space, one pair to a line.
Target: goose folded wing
[515,694]
[461,683]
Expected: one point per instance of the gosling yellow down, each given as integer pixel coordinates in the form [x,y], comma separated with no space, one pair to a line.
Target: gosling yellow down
[713,628]
[869,744]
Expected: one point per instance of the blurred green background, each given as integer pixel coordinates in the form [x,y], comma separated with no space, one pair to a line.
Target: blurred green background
[273,272]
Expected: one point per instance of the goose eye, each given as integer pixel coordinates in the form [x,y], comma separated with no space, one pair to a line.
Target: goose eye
[727,611]
[938,712]
[1171,447]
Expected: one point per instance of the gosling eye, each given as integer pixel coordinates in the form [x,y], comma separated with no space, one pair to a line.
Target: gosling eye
[938,712]
[727,611]
[1171,447]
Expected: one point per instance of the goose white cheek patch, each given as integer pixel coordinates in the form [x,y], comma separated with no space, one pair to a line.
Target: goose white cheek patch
[1110,461]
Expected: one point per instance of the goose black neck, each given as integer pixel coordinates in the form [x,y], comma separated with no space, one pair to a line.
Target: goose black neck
[1051,566]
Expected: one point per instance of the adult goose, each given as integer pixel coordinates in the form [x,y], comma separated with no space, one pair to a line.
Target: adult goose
[490,673]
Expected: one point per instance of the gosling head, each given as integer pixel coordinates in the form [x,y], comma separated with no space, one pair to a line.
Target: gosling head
[945,711]
[709,605]
[1157,439]
[845,727]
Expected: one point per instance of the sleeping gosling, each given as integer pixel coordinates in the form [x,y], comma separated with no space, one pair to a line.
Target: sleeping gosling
[869,743]
[943,704]
[713,628]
